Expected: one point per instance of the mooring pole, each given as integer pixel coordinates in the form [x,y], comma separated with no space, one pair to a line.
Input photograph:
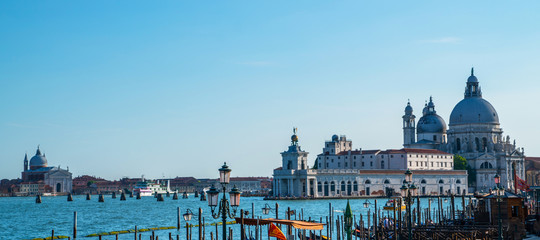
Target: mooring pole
[75,225]
[200,224]
[178,218]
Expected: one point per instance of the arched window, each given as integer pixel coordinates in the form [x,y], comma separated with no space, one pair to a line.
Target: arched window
[386,181]
[368,182]
[486,165]
[343,187]
[332,186]
[441,181]
[319,187]
[458,182]
[423,181]
[458,144]
[484,143]
[355,186]
[382,164]
[477,142]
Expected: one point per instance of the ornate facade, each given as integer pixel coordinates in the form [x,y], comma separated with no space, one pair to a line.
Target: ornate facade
[340,171]
[474,132]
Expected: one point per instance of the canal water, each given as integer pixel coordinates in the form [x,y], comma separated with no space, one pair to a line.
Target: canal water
[22,218]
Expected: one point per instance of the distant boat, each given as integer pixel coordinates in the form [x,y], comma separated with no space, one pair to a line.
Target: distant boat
[147,188]
[389,206]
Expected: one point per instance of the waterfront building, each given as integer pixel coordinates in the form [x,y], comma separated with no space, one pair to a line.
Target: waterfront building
[474,132]
[37,171]
[340,171]
[532,170]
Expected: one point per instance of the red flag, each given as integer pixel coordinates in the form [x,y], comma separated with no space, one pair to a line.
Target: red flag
[521,184]
[274,231]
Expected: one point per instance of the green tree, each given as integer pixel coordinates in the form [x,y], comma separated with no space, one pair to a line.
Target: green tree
[316,165]
[460,163]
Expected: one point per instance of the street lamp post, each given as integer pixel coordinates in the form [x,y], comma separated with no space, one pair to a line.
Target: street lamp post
[408,190]
[499,191]
[224,209]
[187,217]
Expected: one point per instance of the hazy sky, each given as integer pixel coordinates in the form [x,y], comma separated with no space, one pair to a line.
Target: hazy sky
[174,88]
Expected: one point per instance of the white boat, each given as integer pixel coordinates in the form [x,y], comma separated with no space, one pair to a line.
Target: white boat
[148,188]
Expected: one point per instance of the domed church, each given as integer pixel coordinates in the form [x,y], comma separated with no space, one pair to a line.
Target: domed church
[39,178]
[474,132]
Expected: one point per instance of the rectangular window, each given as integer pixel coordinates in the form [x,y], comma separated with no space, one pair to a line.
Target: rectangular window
[417,164]
[339,164]
[371,164]
[362,164]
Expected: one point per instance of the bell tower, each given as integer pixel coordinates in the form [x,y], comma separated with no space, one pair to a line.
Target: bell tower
[25,162]
[408,126]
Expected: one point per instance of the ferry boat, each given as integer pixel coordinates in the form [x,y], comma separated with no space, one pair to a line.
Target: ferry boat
[148,188]
[389,206]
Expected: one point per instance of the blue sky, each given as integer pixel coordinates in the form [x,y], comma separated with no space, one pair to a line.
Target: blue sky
[174,88]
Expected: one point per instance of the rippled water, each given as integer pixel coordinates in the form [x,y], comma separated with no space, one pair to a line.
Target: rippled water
[22,218]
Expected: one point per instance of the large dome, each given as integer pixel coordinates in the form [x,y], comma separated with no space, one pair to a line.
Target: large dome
[38,160]
[474,110]
[431,123]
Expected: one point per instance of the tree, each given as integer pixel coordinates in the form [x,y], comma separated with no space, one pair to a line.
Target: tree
[460,163]
[316,165]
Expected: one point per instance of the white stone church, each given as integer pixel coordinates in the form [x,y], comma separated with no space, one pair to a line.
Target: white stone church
[474,133]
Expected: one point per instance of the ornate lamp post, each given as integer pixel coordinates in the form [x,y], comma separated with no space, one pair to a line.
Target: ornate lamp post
[187,218]
[499,192]
[224,209]
[408,190]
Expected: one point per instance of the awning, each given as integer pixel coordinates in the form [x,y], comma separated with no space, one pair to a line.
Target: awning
[294,223]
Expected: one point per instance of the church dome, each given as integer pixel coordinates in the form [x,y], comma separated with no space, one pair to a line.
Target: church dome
[472,111]
[38,161]
[431,123]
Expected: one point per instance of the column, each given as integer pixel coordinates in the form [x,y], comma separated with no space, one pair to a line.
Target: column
[307,187]
[315,188]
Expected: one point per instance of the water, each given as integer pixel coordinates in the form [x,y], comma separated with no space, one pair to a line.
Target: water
[22,218]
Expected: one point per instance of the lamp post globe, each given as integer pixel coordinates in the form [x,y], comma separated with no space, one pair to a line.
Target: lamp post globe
[213,195]
[188,215]
[366,204]
[265,210]
[234,196]
[224,174]
[408,175]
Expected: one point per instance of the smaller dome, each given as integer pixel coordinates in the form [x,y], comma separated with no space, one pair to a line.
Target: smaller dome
[431,123]
[408,109]
[38,161]
[335,138]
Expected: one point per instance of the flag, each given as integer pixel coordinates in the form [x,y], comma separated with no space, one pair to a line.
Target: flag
[274,231]
[521,184]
